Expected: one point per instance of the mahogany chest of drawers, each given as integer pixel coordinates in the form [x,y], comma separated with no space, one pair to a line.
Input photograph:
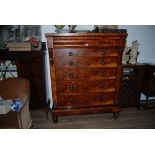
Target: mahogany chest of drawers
[86,72]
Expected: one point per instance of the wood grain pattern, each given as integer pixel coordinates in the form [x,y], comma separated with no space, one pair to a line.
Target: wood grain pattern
[144,120]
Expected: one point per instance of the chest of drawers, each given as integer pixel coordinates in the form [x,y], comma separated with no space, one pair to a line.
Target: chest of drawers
[86,72]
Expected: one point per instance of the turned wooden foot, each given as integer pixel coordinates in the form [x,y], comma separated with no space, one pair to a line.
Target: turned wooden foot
[145,104]
[55,119]
[116,115]
[138,107]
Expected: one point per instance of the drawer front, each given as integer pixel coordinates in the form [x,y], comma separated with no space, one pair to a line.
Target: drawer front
[103,62]
[71,74]
[102,73]
[105,98]
[107,42]
[96,52]
[89,99]
[72,100]
[89,74]
[70,63]
[69,52]
[72,87]
[101,85]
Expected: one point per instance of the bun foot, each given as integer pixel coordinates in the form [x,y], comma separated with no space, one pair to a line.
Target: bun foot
[116,115]
[55,119]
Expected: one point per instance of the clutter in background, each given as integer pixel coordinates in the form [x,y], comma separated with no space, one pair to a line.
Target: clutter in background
[130,54]
[7,105]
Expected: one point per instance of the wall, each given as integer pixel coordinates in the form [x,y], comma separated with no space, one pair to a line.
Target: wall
[145,34]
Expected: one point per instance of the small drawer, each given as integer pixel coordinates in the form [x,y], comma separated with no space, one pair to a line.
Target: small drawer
[69,52]
[96,52]
[72,100]
[70,63]
[71,87]
[101,98]
[71,74]
[102,73]
[101,85]
[103,62]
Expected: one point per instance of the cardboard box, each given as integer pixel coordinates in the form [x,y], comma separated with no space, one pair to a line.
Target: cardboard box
[5,107]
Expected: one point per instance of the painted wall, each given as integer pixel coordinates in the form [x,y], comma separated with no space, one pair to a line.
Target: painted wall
[145,34]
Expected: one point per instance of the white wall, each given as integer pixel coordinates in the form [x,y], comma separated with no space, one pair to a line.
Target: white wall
[145,34]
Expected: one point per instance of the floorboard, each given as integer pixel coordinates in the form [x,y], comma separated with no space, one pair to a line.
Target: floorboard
[130,118]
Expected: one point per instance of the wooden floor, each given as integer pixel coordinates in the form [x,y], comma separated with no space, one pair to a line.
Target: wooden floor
[130,118]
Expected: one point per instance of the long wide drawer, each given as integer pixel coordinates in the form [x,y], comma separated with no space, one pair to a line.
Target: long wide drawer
[86,86]
[83,52]
[86,74]
[94,62]
[85,41]
[88,99]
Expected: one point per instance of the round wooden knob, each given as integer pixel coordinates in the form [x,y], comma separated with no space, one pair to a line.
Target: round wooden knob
[71,87]
[101,85]
[70,53]
[71,63]
[71,99]
[71,75]
[103,62]
[100,98]
[103,53]
[101,73]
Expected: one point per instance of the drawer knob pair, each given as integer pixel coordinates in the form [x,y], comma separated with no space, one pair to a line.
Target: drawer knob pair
[71,87]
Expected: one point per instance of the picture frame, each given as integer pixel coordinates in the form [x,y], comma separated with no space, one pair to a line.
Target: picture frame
[101,28]
[107,26]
